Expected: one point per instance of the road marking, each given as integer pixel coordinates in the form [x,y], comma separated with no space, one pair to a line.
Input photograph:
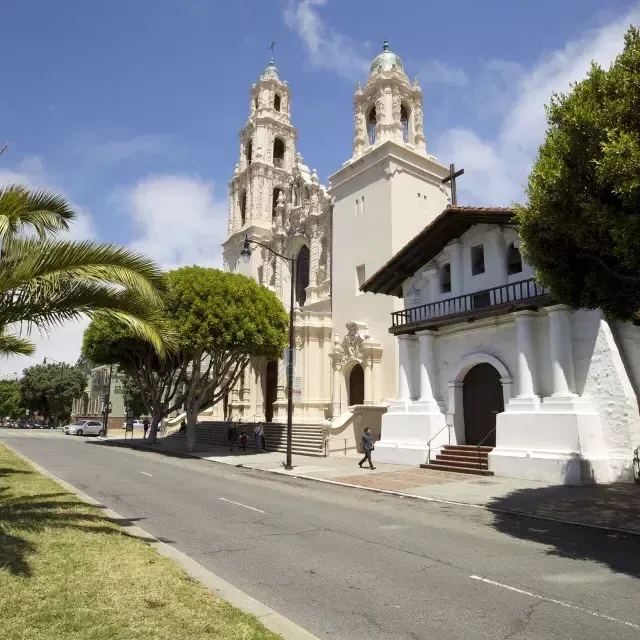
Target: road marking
[242,505]
[558,602]
[147,474]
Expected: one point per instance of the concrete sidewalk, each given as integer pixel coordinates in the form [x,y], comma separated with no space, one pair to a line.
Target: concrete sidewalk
[612,507]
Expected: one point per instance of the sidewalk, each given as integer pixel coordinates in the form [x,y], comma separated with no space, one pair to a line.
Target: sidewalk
[612,507]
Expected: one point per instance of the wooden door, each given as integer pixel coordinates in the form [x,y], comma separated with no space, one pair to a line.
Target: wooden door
[271,390]
[482,401]
[356,385]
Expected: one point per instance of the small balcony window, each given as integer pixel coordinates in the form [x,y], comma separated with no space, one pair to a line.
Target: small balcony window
[477,260]
[445,278]
[514,260]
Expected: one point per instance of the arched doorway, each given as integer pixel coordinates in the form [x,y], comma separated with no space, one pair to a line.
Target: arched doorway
[482,400]
[271,390]
[356,385]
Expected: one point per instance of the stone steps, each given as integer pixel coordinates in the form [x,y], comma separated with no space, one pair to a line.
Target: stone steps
[460,458]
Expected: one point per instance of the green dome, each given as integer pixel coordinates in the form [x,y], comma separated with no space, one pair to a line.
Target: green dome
[387,60]
[271,72]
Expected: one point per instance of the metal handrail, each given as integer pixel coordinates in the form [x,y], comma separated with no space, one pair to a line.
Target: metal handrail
[446,426]
[481,441]
[474,301]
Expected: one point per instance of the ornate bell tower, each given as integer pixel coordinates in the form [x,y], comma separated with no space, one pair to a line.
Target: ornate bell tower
[267,157]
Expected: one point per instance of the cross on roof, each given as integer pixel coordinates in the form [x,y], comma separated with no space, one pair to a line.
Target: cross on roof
[453,174]
[272,46]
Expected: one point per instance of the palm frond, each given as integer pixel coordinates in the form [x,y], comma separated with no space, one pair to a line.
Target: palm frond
[22,209]
[14,346]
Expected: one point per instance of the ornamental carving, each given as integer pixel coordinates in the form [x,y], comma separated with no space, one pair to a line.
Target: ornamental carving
[352,343]
[396,106]
[379,108]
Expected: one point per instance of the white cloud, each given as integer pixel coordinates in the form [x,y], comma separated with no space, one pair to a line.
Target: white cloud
[436,72]
[327,48]
[497,167]
[61,343]
[177,220]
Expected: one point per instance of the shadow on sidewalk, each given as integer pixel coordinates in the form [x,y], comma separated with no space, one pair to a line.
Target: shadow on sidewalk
[616,506]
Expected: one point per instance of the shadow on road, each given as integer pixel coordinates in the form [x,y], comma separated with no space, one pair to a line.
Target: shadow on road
[616,506]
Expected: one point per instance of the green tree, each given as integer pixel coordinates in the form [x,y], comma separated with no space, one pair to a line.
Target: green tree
[158,381]
[132,396]
[222,320]
[45,281]
[10,400]
[580,225]
[50,389]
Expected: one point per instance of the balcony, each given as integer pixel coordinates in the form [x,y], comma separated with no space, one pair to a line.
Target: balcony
[278,163]
[525,294]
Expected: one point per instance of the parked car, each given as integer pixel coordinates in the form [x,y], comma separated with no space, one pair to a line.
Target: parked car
[84,428]
[137,424]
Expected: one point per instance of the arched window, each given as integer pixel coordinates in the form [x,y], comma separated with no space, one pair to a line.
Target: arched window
[249,151]
[404,121]
[276,102]
[445,278]
[302,275]
[371,125]
[243,208]
[278,153]
[514,259]
[274,202]
[255,102]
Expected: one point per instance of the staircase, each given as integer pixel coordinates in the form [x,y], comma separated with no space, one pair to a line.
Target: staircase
[306,439]
[462,458]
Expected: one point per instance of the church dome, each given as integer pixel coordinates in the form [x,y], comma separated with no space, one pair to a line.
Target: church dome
[271,72]
[387,60]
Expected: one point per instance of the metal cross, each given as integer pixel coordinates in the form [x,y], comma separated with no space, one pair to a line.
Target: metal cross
[272,46]
[453,174]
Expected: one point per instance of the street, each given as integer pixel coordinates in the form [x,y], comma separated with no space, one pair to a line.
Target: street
[345,563]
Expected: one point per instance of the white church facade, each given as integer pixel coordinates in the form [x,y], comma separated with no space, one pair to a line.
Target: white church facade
[377,200]
[486,357]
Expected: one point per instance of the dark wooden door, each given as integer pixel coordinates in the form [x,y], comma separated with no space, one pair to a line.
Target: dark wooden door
[356,385]
[271,390]
[482,401]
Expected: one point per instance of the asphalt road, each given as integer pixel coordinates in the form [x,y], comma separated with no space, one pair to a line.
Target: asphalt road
[349,564]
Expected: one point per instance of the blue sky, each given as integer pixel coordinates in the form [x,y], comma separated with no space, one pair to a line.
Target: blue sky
[132,107]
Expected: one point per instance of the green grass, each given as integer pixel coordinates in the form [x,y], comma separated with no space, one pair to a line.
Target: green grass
[66,572]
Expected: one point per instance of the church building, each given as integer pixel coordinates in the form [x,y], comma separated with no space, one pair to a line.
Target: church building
[340,234]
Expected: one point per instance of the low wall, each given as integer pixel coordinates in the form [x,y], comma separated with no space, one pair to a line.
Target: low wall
[345,439]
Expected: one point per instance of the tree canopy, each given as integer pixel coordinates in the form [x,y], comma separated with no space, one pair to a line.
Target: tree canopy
[580,225]
[50,389]
[10,399]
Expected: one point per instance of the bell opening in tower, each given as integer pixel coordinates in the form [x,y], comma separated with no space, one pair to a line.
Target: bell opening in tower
[372,120]
[278,153]
[249,151]
[243,207]
[277,102]
[404,121]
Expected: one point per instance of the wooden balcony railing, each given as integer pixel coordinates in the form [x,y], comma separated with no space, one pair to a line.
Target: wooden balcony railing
[481,303]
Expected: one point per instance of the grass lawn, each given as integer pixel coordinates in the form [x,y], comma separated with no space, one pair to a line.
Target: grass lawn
[66,572]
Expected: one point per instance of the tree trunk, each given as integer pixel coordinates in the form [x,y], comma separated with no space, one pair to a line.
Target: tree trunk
[191,430]
[153,429]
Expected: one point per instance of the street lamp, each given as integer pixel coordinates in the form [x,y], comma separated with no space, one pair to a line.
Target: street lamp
[246,256]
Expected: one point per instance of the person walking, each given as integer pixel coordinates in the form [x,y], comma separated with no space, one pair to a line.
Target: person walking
[367,446]
[259,434]
[243,440]
[232,435]
[145,424]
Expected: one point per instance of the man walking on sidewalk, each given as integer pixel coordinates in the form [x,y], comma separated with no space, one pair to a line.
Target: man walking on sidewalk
[367,446]
[232,434]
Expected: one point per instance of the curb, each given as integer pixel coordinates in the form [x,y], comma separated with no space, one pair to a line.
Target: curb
[413,496]
[272,620]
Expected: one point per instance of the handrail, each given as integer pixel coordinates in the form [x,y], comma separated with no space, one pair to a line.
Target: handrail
[469,302]
[446,426]
[481,441]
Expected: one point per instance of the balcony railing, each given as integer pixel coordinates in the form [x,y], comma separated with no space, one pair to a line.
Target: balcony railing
[480,303]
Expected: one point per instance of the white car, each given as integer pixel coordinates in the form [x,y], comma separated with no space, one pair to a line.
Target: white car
[84,428]
[137,424]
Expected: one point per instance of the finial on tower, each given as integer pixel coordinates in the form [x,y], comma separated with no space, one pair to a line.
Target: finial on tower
[385,46]
[272,46]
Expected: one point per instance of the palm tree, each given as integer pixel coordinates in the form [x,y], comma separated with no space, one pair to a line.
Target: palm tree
[45,281]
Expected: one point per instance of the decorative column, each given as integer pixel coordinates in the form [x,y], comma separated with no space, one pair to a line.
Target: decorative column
[427,366]
[561,351]
[367,364]
[405,365]
[527,376]
[313,259]
[335,389]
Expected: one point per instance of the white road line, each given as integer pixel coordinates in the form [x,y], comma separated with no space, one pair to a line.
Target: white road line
[147,474]
[242,505]
[558,602]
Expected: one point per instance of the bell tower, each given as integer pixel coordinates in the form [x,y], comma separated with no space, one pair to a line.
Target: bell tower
[267,156]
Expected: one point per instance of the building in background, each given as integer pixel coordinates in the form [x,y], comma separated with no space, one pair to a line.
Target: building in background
[90,405]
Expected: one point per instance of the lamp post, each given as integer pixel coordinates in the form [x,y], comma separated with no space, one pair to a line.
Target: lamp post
[246,255]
